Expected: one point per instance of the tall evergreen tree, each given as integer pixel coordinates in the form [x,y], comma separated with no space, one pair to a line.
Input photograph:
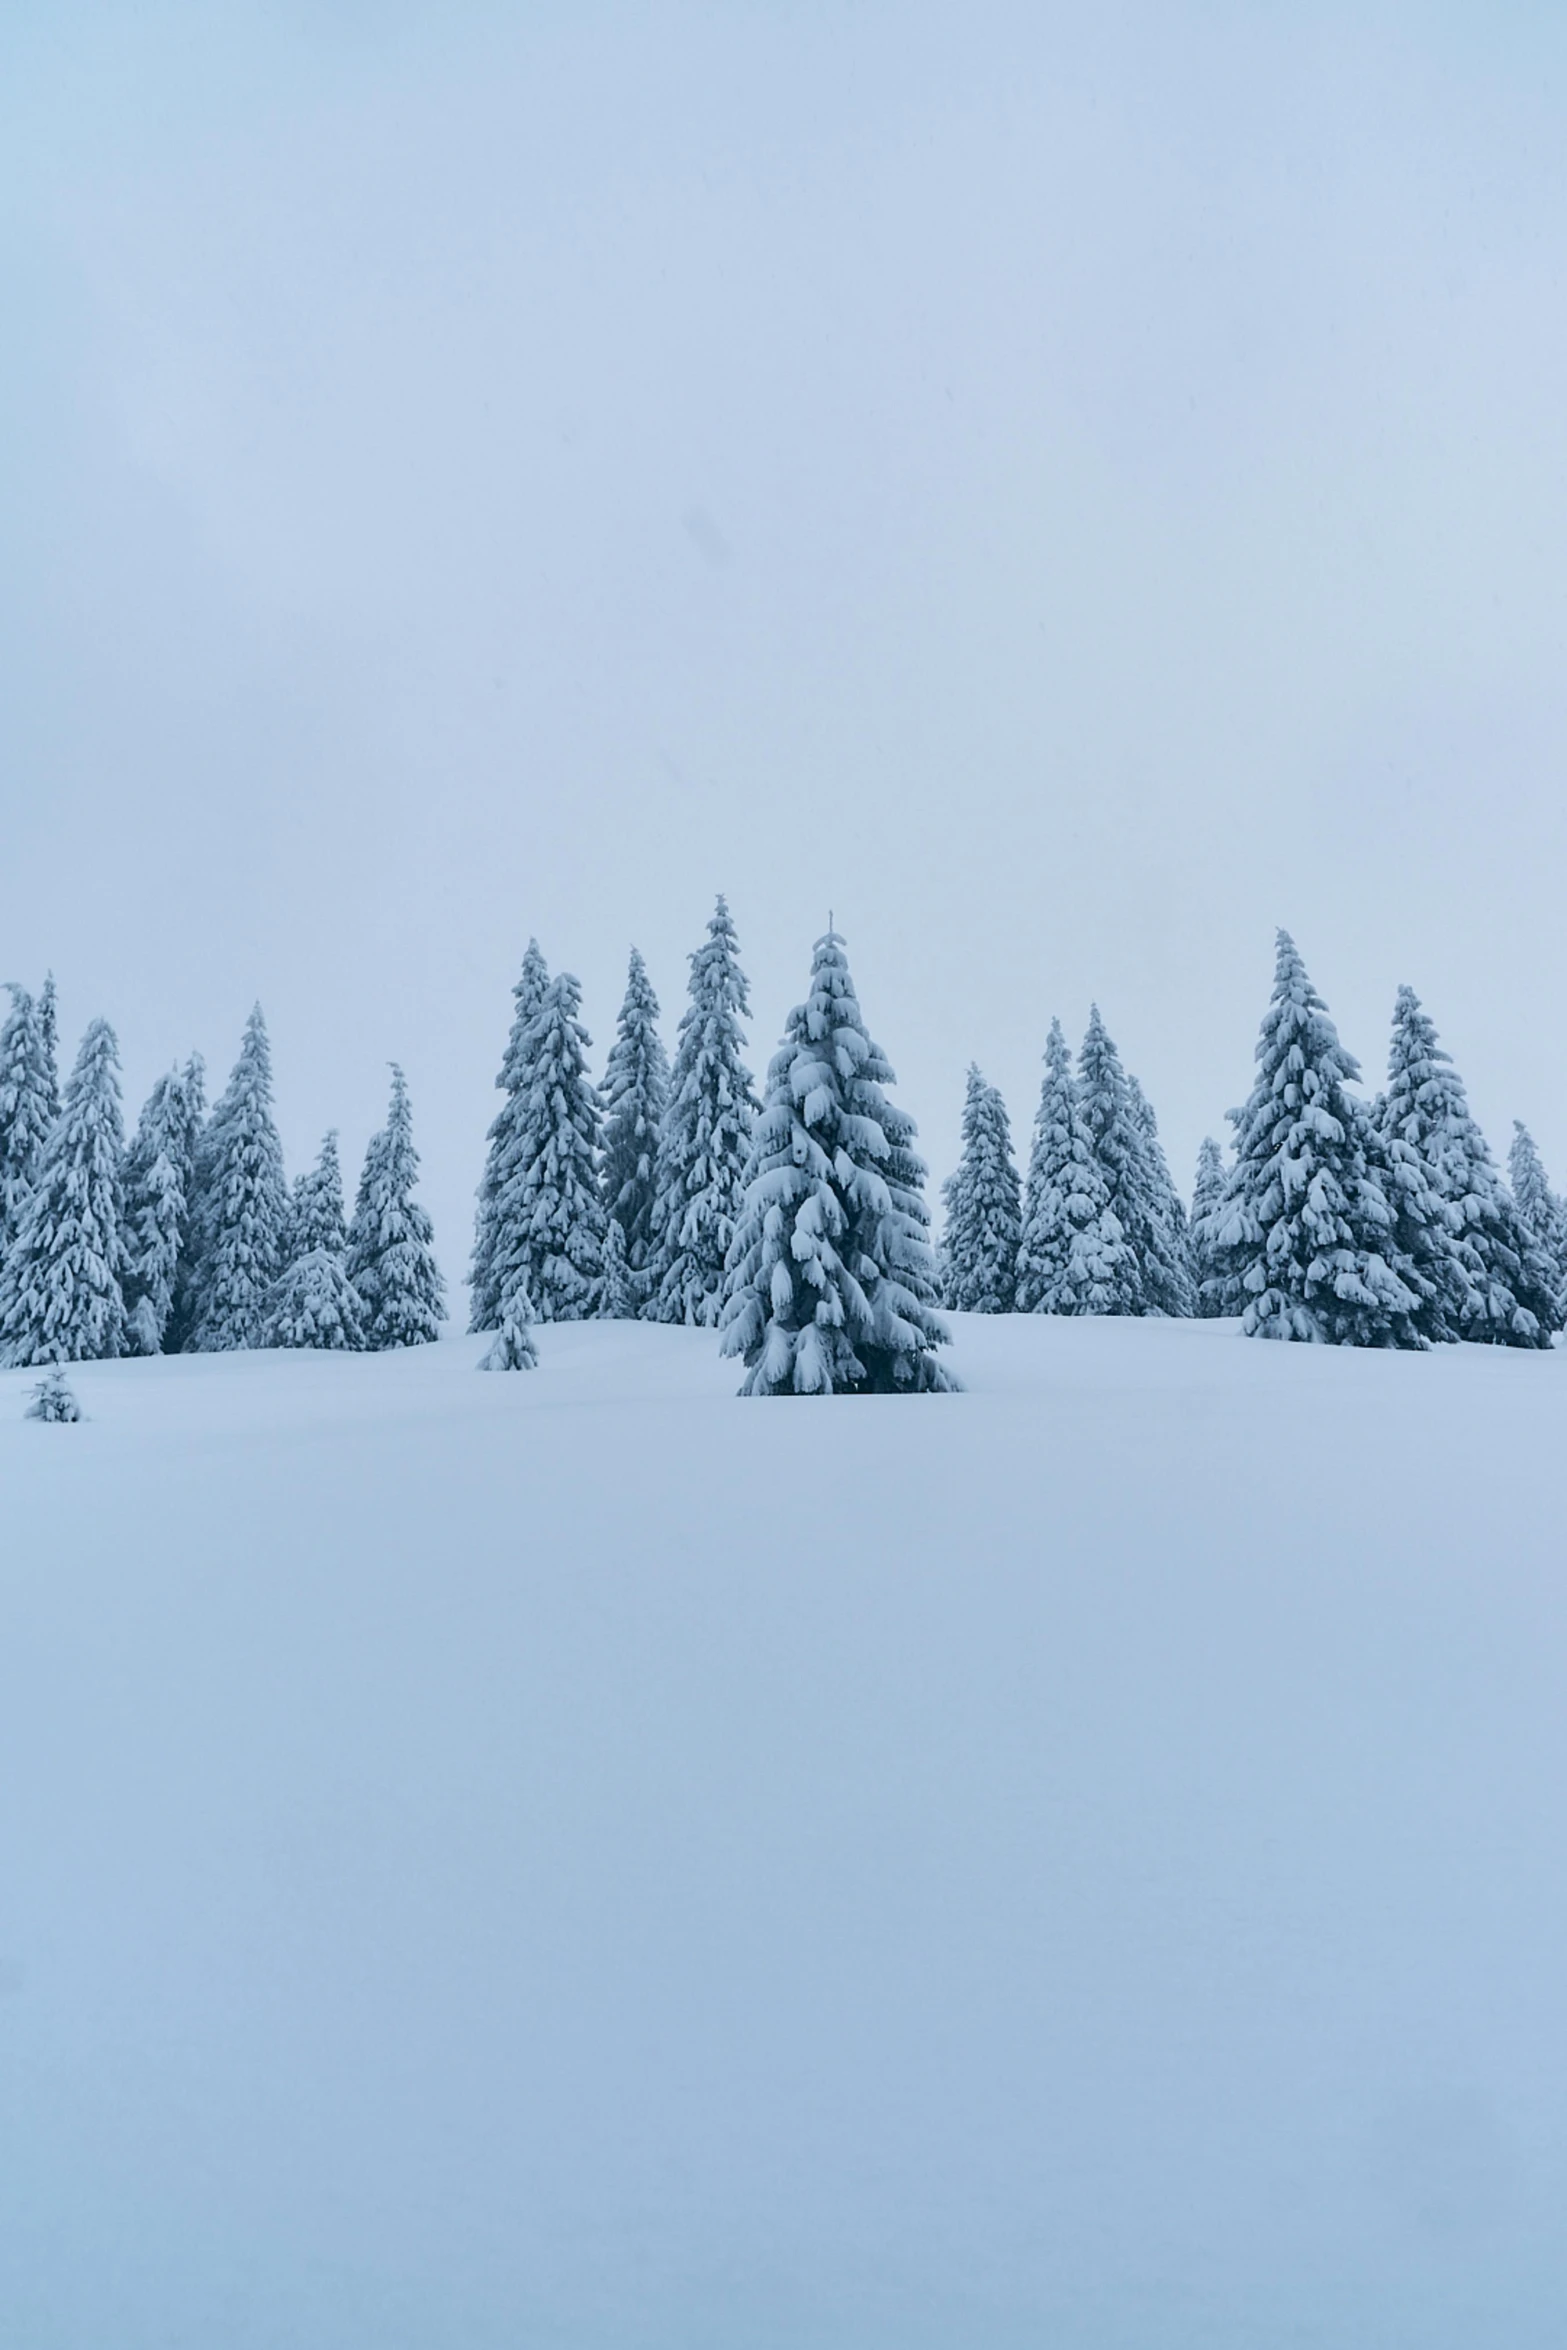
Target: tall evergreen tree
[636,1095]
[706,1139]
[984,1210]
[832,1280]
[1208,1285]
[240,1206]
[550,1217]
[1494,1285]
[158,1171]
[391,1254]
[181,1319]
[1153,1277]
[316,1214]
[617,1291]
[1307,1231]
[1073,1257]
[494,1247]
[60,1294]
[29,1102]
[313,1303]
[1542,1214]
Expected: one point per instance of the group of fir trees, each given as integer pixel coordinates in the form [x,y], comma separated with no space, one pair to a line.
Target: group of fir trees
[1381,1223]
[1098,1228]
[670,1194]
[189,1240]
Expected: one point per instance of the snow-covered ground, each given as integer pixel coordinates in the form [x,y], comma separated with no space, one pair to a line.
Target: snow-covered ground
[577,1860]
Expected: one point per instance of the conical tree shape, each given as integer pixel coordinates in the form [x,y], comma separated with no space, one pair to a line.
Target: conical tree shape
[1306,1226]
[313,1302]
[1496,1287]
[832,1281]
[1208,1285]
[515,1347]
[550,1217]
[1542,1214]
[984,1209]
[1073,1257]
[493,1246]
[52,1400]
[391,1252]
[241,1204]
[187,1277]
[636,1096]
[617,1291]
[28,1107]
[706,1141]
[1152,1274]
[60,1294]
[1167,1257]
[158,1171]
[316,1217]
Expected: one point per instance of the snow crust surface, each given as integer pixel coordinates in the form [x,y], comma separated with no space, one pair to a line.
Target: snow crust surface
[574,1859]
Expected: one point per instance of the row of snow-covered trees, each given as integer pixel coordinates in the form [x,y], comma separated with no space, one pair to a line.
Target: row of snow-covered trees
[796,1225]
[1382,1223]
[190,1239]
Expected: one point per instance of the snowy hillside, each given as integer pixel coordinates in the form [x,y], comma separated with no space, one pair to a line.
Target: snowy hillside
[575,1860]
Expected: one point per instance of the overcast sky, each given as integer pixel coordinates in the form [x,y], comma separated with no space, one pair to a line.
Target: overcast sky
[1069,489]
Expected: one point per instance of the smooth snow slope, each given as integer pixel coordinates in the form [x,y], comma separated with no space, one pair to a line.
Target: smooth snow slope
[577,1860]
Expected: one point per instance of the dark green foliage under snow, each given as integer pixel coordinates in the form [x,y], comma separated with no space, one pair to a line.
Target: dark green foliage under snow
[239,1208]
[514,1347]
[549,1216]
[313,1301]
[487,1275]
[1073,1255]
[1208,1285]
[984,1213]
[1542,1214]
[1151,1277]
[60,1294]
[831,1277]
[391,1257]
[159,1167]
[29,1102]
[706,1141]
[636,1095]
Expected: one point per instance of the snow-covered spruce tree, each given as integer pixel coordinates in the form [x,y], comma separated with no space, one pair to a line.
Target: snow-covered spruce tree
[187,1278]
[550,1217]
[313,1302]
[706,1139]
[52,1400]
[240,1209]
[1118,1120]
[493,1246]
[1495,1287]
[636,1095]
[984,1211]
[60,1294]
[391,1254]
[1072,1257]
[515,1347]
[617,1289]
[1208,1285]
[158,1171]
[28,1106]
[1306,1228]
[1542,1213]
[831,1276]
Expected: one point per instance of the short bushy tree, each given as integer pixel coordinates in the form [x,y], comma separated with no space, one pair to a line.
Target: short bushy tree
[60,1294]
[706,1138]
[391,1242]
[514,1347]
[1307,1230]
[984,1210]
[1073,1256]
[494,1244]
[831,1276]
[636,1096]
[52,1400]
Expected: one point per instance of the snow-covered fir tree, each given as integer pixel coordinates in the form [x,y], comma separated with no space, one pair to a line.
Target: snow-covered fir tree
[60,1294]
[832,1281]
[514,1347]
[240,1206]
[636,1095]
[1542,1213]
[391,1253]
[1306,1231]
[984,1209]
[52,1400]
[29,1104]
[617,1288]
[492,1246]
[1153,1277]
[1208,1285]
[187,1278]
[1495,1286]
[158,1169]
[1073,1257]
[549,1218]
[706,1139]
[313,1301]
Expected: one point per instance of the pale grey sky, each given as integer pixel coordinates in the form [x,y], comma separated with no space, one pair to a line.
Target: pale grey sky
[1068,488]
